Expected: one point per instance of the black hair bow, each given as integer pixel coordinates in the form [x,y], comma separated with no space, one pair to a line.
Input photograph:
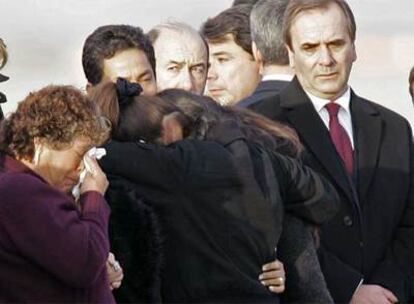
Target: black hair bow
[126,91]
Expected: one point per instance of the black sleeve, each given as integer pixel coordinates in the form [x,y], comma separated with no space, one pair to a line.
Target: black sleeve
[150,165]
[296,249]
[305,193]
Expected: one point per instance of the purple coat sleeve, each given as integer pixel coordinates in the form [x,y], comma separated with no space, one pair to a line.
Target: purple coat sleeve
[43,225]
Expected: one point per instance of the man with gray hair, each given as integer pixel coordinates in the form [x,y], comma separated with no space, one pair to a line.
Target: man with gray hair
[181,56]
[266,20]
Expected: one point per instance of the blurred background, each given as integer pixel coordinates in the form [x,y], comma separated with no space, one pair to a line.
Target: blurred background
[45,39]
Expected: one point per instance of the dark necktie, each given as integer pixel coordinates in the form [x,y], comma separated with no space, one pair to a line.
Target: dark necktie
[340,138]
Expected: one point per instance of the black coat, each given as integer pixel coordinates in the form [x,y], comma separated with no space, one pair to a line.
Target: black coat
[220,220]
[372,236]
[265,89]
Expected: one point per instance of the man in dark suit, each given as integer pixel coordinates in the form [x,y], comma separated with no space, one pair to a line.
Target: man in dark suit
[366,151]
[266,20]
[233,74]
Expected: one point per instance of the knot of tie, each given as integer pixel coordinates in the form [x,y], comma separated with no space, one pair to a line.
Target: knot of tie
[333,109]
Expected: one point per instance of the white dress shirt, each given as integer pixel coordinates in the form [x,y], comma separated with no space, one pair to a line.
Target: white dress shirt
[282,77]
[344,114]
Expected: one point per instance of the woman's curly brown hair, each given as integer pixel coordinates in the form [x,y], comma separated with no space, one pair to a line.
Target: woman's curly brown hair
[56,115]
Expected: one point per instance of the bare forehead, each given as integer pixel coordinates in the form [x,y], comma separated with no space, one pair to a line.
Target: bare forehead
[320,23]
[175,40]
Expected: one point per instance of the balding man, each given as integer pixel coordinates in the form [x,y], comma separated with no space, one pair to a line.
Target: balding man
[181,55]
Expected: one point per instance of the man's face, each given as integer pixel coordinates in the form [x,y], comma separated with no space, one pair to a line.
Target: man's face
[233,73]
[322,51]
[132,65]
[181,62]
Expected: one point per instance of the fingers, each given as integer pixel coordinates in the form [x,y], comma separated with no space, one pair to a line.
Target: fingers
[91,165]
[272,275]
[277,289]
[275,265]
[115,272]
[276,285]
[111,258]
[116,284]
[95,179]
[280,281]
[275,278]
[390,296]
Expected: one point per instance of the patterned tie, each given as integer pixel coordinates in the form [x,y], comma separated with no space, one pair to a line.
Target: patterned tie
[340,138]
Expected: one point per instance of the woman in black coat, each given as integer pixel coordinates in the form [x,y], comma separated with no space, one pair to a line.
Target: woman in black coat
[220,202]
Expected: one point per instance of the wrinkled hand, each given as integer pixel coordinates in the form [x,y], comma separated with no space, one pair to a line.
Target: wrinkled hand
[273,276]
[114,271]
[373,294]
[94,180]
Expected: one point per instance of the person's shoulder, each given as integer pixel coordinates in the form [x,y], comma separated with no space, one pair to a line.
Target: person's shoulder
[272,99]
[18,186]
[204,148]
[385,113]
[19,181]
[268,106]
[208,155]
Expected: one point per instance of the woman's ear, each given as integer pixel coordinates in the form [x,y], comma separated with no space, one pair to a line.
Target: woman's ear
[172,130]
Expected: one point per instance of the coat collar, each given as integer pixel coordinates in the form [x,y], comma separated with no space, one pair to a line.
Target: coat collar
[368,128]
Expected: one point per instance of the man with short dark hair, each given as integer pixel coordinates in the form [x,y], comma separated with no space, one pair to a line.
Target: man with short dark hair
[266,20]
[233,73]
[365,150]
[181,55]
[124,51]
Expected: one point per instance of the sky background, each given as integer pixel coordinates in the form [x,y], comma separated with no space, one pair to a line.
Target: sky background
[45,39]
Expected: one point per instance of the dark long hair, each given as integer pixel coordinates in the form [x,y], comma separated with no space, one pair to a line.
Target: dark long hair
[140,118]
[205,115]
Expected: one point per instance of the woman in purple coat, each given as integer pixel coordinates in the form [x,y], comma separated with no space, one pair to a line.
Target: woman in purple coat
[51,249]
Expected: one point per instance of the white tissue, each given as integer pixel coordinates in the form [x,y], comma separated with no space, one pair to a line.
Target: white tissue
[94,152]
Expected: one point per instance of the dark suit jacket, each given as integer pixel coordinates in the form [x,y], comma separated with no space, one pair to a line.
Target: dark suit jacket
[372,236]
[264,90]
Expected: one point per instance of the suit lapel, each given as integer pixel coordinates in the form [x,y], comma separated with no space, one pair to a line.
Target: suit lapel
[367,125]
[314,134]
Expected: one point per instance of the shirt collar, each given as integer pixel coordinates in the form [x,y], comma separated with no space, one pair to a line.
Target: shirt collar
[344,101]
[283,77]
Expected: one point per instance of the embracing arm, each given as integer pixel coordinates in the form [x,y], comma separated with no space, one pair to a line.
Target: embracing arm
[305,193]
[147,164]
